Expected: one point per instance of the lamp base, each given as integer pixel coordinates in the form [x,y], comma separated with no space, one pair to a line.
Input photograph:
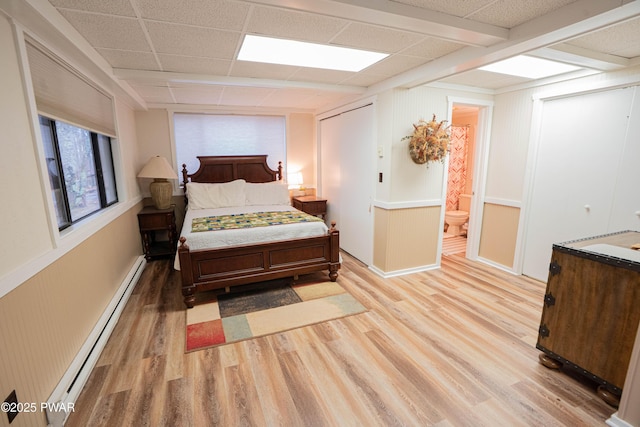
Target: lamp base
[161,191]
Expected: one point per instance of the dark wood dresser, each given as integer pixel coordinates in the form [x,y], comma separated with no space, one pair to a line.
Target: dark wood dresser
[592,309]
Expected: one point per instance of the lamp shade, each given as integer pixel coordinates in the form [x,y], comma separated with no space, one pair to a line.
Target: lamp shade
[294,179]
[158,167]
[161,190]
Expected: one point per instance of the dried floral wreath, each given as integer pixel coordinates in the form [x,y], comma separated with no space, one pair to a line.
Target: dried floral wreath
[429,141]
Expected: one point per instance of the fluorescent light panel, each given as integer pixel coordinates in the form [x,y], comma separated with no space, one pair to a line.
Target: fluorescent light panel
[529,67]
[303,54]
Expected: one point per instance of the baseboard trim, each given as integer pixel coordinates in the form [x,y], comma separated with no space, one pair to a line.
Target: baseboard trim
[387,274]
[614,421]
[62,399]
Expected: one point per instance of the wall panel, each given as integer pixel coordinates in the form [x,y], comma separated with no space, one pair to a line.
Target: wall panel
[45,321]
[406,238]
[499,233]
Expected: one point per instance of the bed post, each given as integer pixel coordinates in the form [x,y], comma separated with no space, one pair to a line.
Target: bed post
[279,171]
[185,179]
[187,274]
[334,242]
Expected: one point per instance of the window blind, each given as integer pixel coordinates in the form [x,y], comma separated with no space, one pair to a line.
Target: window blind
[220,134]
[63,93]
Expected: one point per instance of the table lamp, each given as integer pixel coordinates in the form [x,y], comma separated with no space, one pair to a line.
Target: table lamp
[161,190]
[294,179]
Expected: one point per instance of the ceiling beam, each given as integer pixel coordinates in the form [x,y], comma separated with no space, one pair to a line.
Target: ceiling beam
[166,77]
[581,57]
[555,27]
[400,16]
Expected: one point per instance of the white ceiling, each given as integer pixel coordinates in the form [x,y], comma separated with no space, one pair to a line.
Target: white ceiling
[183,51]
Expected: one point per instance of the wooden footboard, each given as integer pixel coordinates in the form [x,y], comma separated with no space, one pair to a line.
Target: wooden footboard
[209,269]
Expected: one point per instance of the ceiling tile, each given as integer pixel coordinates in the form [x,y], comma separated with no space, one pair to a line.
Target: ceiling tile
[484,79]
[108,30]
[251,96]
[619,39]
[192,41]
[153,94]
[305,98]
[510,13]
[374,38]
[111,7]
[318,75]
[192,65]
[229,15]
[270,21]
[129,60]
[432,48]
[200,94]
[265,71]
[364,79]
[396,64]
[454,8]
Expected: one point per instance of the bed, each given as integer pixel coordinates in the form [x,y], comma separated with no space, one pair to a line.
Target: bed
[248,256]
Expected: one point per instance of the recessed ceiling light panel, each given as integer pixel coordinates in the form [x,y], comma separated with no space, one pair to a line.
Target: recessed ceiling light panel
[304,54]
[529,67]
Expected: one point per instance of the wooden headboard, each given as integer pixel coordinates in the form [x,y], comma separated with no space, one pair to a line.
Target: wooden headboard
[215,169]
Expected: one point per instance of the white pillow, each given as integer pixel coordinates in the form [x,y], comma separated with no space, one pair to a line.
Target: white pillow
[268,193]
[209,196]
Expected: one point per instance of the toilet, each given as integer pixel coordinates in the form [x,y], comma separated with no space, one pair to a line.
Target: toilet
[455,220]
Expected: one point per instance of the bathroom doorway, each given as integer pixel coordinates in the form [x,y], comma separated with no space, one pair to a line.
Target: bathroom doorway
[460,178]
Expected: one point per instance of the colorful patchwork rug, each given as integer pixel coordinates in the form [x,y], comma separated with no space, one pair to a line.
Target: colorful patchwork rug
[265,311]
[250,220]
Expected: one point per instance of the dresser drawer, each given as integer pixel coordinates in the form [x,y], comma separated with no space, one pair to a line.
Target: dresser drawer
[155,221]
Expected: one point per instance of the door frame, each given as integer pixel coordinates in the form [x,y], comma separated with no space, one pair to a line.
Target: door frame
[481,159]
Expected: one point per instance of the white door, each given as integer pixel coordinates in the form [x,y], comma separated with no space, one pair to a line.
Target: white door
[348,178]
[579,151]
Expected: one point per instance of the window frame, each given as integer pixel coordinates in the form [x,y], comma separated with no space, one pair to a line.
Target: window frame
[272,161]
[98,163]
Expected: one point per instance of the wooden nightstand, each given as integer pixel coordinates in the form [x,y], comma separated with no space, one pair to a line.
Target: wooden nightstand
[311,205]
[151,221]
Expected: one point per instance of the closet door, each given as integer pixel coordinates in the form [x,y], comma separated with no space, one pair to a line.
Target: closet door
[347,159]
[579,152]
[626,203]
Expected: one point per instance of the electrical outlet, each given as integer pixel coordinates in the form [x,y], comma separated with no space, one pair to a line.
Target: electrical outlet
[11,404]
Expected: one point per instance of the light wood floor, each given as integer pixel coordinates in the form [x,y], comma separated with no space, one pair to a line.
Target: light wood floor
[449,347]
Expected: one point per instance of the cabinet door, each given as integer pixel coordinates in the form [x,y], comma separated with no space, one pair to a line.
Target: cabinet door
[578,159]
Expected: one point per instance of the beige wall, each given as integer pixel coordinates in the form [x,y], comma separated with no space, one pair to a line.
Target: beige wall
[55,287]
[405,239]
[154,136]
[302,148]
[499,233]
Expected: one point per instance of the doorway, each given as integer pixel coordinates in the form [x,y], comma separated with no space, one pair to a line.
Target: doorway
[465,175]
[459,182]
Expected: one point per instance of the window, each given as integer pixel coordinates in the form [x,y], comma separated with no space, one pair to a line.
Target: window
[80,167]
[218,135]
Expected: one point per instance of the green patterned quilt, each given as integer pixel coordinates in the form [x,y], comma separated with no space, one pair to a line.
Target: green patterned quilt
[249,220]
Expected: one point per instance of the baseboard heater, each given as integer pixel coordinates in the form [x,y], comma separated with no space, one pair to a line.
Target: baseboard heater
[61,402]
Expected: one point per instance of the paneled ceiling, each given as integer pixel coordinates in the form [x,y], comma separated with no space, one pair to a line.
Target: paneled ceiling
[184,51]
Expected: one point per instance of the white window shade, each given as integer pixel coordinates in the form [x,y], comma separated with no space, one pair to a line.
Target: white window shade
[63,93]
[226,135]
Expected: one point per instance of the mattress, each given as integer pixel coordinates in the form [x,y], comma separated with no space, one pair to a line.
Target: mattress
[244,236]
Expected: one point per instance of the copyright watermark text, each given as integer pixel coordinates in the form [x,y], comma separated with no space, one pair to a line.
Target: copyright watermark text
[37,407]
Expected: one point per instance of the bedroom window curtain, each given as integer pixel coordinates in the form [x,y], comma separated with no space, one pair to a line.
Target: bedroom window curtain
[63,93]
[220,135]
